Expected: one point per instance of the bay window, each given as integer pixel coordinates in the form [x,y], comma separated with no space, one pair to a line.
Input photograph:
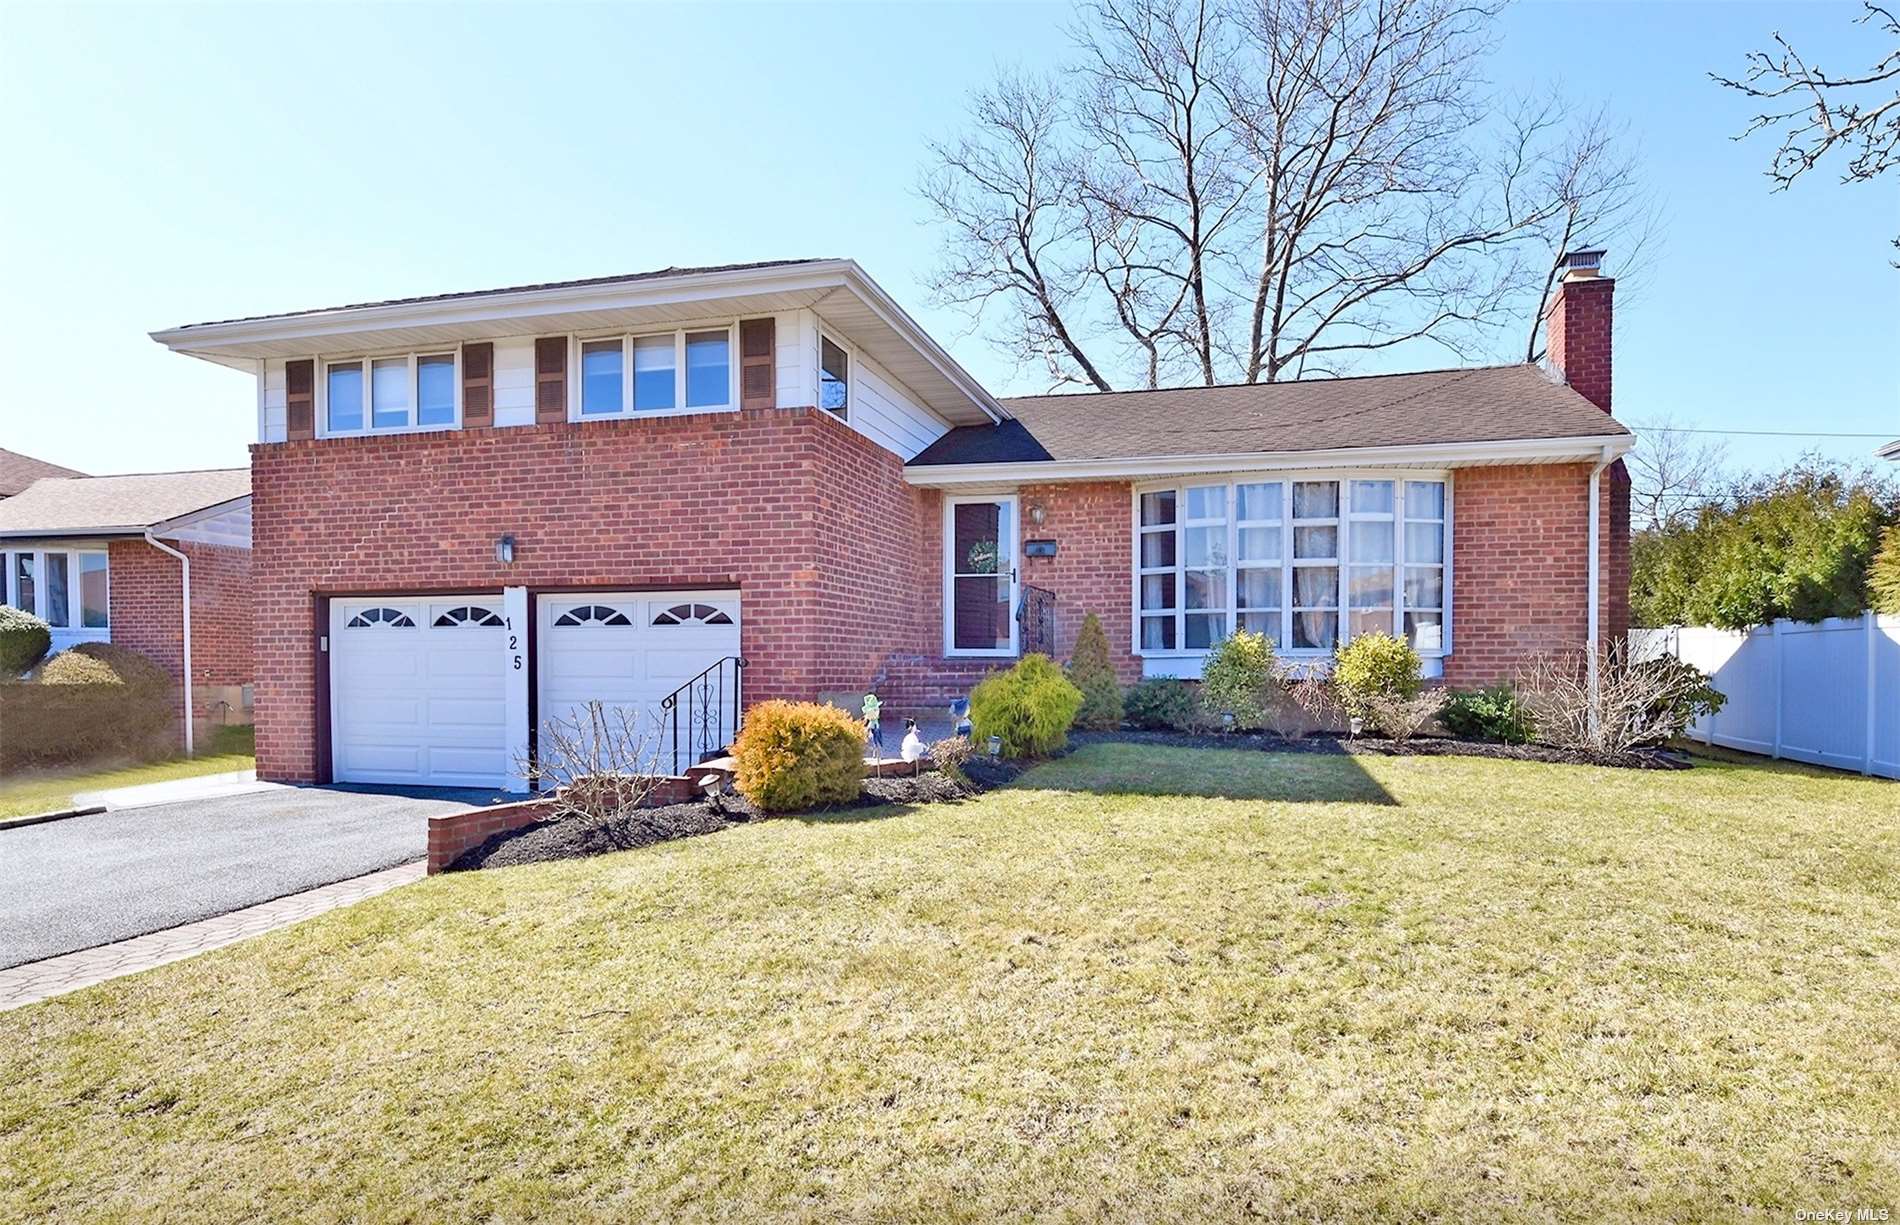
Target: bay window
[1309,562]
[689,371]
[389,394]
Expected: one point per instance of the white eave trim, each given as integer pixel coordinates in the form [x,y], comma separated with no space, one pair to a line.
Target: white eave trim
[215,340]
[1439,455]
[166,527]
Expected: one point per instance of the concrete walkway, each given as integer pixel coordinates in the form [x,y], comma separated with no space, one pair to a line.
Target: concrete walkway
[39,980]
[204,787]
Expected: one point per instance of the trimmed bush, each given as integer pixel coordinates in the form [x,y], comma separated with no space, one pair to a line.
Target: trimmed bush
[951,754]
[1161,704]
[94,703]
[1239,678]
[1375,668]
[24,641]
[1092,673]
[1031,707]
[794,755]
[1496,713]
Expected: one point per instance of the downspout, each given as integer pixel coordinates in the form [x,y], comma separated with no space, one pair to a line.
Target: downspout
[184,588]
[1595,568]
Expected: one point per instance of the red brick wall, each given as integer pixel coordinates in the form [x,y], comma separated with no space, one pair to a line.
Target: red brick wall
[808,519]
[145,615]
[1520,578]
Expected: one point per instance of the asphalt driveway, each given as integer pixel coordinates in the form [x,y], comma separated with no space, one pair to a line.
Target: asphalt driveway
[73,884]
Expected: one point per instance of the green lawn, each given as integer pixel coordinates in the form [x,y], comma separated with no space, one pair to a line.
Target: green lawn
[230,749]
[1363,988]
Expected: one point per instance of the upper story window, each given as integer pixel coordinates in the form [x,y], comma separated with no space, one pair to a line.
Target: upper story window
[65,589]
[1309,563]
[683,371]
[367,394]
[834,377]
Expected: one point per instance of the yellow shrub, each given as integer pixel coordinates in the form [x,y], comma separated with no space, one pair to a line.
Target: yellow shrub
[795,755]
[1031,707]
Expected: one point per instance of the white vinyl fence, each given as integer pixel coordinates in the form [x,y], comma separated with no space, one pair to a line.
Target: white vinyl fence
[1826,692]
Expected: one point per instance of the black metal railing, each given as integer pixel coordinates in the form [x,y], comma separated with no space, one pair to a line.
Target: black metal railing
[1036,614]
[706,721]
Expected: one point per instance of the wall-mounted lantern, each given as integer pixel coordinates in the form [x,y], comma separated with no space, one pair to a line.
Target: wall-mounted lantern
[505,550]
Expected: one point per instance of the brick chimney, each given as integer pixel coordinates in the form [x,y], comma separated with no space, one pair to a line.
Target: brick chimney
[1577,327]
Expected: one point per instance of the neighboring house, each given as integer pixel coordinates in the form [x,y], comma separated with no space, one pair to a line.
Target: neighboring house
[1891,451]
[107,558]
[17,471]
[475,511]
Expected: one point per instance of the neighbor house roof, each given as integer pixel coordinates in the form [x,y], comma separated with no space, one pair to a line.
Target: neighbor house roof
[118,505]
[17,471]
[1433,408]
[1890,451]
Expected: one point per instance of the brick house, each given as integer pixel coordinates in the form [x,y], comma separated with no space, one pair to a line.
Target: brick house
[158,562]
[474,512]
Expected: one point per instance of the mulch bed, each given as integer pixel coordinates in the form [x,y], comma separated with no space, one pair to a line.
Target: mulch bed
[1377,746]
[577,837]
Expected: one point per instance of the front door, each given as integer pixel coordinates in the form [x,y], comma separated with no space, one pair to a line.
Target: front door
[980,576]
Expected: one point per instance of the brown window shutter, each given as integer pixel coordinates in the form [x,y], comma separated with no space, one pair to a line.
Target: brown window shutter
[300,399]
[550,379]
[758,376]
[478,385]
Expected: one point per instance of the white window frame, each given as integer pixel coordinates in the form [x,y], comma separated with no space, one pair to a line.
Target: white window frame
[1287,479]
[42,601]
[367,359]
[576,341]
[850,374]
[1014,502]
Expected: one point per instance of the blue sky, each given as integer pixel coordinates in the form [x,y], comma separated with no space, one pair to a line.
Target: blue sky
[175,164]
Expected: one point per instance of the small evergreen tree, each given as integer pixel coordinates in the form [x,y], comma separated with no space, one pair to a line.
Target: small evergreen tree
[1883,578]
[1092,673]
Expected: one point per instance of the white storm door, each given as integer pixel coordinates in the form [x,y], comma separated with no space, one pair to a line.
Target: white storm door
[979,582]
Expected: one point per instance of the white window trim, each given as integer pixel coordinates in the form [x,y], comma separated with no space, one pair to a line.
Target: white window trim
[321,392]
[576,340]
[42,599]
[1288,477]
[850,374]
[1013,501]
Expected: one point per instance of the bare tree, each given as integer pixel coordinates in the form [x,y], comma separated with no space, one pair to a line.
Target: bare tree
[602,761]
[1263,189]
[1592,175]
[1857,114]
[1673,475]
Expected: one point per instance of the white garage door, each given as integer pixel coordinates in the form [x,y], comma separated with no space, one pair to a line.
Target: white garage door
[417,691]
[632,649]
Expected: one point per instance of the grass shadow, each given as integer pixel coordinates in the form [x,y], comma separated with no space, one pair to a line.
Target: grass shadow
[1228,774]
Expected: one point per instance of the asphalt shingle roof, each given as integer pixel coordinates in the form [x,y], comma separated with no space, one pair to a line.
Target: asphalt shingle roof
[17,471]
[96,504]
[630,277]
[1483,404]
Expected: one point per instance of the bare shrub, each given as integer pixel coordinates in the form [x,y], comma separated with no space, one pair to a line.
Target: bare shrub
[951,753]
[602,760]
[1636,703]
[1402,718]
[1310,689]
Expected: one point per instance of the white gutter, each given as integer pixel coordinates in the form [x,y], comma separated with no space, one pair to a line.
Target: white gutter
[1439,455]
[184,588]
[1594,631]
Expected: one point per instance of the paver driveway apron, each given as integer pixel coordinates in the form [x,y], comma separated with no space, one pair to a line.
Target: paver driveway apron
[92,880]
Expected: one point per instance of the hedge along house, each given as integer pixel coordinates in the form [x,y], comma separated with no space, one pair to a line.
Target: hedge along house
[158,562]
[691,490]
